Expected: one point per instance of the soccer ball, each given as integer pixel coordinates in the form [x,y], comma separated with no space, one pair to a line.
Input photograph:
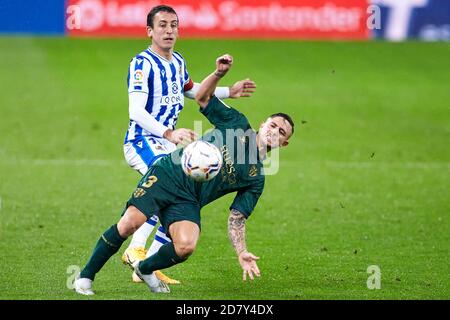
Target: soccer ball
[201,161]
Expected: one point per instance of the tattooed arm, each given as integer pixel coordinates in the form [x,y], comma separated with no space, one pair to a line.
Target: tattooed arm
[236,232]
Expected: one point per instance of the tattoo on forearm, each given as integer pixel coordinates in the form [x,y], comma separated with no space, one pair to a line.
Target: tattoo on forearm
[236,230]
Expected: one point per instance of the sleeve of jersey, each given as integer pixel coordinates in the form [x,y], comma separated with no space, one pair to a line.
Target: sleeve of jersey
[186,78]
[138,74]
[188,89]
[245,201]
[224,116]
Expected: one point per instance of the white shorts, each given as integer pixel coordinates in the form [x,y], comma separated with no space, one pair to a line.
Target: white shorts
[141,153]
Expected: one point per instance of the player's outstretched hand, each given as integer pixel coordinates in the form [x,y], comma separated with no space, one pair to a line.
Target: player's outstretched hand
[248,264]
[242,88]
[223,64]
[181,135]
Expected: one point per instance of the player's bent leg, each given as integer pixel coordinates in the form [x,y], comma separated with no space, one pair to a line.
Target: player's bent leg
[184,235]
[160,240]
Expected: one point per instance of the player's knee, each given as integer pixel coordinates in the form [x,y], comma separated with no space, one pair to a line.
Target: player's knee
[184,236]
[125,228]
[184,248]
[130,222]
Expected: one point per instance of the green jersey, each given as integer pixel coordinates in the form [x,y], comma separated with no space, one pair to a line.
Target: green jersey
[241,171]
[167,191]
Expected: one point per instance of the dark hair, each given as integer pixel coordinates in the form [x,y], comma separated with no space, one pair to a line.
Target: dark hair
[285,117]
[155,10]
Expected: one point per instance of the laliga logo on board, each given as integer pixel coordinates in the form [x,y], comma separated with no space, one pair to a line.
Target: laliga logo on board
[96,13]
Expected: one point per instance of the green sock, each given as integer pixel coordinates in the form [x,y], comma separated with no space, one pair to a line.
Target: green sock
[164,258]
[108,244]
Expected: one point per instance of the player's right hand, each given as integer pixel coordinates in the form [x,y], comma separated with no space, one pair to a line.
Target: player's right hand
[182,135]
[247,261]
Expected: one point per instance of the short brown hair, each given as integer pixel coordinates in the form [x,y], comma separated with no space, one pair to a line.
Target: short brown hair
[285,117]
[155,10]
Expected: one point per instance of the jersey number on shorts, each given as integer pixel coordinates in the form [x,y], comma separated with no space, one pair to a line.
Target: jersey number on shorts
[150,181]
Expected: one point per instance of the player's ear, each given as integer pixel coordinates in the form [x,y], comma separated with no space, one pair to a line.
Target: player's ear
[149,31]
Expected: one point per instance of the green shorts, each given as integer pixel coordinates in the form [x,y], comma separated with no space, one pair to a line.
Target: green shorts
[158,194]
[179,212]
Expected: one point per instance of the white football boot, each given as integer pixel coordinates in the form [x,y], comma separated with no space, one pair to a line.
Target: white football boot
[153,283]
[83,286]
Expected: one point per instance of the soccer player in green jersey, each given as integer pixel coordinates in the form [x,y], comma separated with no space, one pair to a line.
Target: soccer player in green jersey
[177,199]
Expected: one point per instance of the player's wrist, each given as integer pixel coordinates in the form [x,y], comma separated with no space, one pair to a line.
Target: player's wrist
[241,252]
[219,74]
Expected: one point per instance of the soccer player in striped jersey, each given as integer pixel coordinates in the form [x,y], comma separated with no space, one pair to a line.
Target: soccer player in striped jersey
[158,81]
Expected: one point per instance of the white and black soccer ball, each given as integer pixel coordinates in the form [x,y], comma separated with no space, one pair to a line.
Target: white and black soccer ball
[201,161]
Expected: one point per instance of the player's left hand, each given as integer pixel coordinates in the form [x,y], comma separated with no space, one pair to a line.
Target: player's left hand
[242,88]
[223,64]
[248,264]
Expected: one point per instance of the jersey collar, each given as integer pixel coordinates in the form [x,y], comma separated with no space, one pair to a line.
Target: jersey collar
[159,56]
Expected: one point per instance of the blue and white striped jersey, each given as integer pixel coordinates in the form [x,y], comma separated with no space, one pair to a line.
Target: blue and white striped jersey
[164,83]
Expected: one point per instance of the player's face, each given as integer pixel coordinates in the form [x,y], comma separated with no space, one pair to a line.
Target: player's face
[165,30]
[275,132]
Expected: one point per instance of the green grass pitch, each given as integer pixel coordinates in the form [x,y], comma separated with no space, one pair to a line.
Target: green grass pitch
[365,180]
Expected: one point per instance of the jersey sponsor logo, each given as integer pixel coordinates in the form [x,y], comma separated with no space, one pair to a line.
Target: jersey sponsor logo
[174,88]
[253,171]
[139,192]
[170,99]
[229,172]
[139,144]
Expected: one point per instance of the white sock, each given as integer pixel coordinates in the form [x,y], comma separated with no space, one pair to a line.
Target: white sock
[160,240]
[140,236]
